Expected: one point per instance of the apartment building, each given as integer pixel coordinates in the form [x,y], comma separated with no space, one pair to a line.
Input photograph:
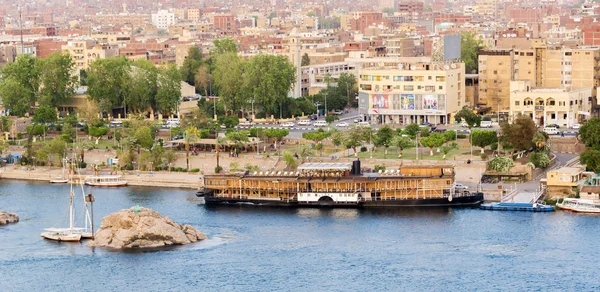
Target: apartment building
[121,19]
[400,47]
[163,19]
[84,52]
[193,14]
[404,93]
[561,106]
[569,68]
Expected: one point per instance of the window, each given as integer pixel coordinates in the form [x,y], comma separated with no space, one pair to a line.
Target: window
[397,78]
[429,77]
[564,116]
[516,102]
[568,54]
[419,78]
[495,71]
[441,87]
[378,78]
[429,88]
[530,54]
[440,78]
[408,87]
[408,78]
[553,116]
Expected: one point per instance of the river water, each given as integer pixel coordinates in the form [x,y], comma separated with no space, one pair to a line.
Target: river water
[278,249]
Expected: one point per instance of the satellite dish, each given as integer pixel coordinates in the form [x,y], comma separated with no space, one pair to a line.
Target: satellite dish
[413,68]
[252,47]
[514,35]
[381,64]
[527,35]
[453,66]
[446,67]
[400,66]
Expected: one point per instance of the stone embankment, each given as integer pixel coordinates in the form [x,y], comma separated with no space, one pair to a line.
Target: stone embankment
[6,218]
[143,228]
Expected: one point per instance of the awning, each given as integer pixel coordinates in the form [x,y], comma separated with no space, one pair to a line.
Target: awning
[583,113]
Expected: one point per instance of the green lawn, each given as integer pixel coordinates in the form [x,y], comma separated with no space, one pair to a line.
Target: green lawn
[410,154]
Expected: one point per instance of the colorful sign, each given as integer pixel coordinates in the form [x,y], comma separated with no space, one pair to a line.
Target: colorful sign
[430,101]
[408,101]
[380,101]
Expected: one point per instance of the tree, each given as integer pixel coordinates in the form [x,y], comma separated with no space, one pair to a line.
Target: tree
[483,138]
[90,112]
[276,134]
[238,138]
[539,159]
[142,86]
[447,148]
[143,136]
[384,138]
[267,79]
[229,78]
[469,51]
[169,88]
[433,141]
[466,114]
[540,139]
[330,119]
[195,118]
[449,135]
[402,143]
[590,133]
[347,88]
[170,157]
[316,136]
[290,161]
[55,150]
[411,130]
[519,134]
[500,164]
[591,158]
[203,79]
[20,84]
[59,83]
[190,65]
[224,45]
[355,138]
[191,136]
[44,115]
[97,132]
[305,60]
[304,152]
[108,81]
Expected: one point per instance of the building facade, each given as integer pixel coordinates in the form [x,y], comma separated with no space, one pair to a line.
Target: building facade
[163,19]
[411,93]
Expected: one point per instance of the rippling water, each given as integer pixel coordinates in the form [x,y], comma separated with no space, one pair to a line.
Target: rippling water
[278,249]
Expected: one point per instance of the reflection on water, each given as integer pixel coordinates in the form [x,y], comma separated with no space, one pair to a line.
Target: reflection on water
[254,248]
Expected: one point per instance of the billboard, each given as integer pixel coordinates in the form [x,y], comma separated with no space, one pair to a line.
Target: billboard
[380,101]
[451,47]
[430,101]
[408,101]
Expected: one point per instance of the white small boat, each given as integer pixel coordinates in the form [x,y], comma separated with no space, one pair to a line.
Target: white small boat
[61,235]
[579,206]
[59,180]
[105,181]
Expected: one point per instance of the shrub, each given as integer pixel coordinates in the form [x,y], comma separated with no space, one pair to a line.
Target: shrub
[494,146]
[363,149]
[195,170]
[19,136]
[379,167]
[252,168]
[82,165]
[540,159]
[129,167]
[461,136]
[172,168]
[501,164]
[218,169]
[484,156]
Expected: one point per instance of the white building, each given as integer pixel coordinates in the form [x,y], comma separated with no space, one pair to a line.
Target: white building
[163,19]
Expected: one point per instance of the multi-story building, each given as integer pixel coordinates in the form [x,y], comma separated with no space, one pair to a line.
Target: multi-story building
[193,14]
[561,106]
[121,19]
[162,19]
[400,47]
[411,9]
[84,52]
[224,22]
[403,93]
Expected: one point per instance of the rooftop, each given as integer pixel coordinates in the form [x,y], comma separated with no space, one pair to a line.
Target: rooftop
[325,166]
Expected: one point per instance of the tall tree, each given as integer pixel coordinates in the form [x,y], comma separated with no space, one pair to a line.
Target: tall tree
[57,78]
[203,79]
[590,133]
[238,138]
[192,135]
[228,76]
[190,66]
[519,134]
[108,81]
[20,84]
[472,119]
[224,45]
[384,138]
[469,51]
[591,158]
[347,88]
[169,88]
[305,60]
[432,141]
[142,86]
[402,143]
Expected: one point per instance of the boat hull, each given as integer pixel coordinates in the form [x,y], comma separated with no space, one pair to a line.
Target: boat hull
[59,181]
[61,237]
[462,201]
[107,185]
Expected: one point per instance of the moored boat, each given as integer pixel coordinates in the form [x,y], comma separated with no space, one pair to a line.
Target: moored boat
[579,205]
[59,180]
[527,207]
[105,181]
[340,185]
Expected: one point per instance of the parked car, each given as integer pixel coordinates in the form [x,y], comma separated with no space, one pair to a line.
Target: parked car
[357,120]
[552,126]
[288,124]
[460,187]
[486,124]
[314,117]
[303,123]
[464,124]
[425,124]
[337,112]
[364,124]
[576,126]
[551,130]
[342,125]
[320,124]
[223,126]
[246,124]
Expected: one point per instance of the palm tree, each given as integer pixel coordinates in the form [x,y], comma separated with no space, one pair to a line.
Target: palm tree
[192,135]
[290,161]
[170,156]
[401,143]
[304,152]
[540,139]
[218,142]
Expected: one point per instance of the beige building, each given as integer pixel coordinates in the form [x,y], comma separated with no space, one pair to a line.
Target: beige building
[569,68]
[559,106]
[193,14]
[84,52]
[400,47]
[404,93]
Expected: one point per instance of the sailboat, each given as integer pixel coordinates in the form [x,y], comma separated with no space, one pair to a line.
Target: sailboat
[73,233]
[61,179]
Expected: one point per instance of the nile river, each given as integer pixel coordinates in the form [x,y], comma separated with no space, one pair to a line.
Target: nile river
[269,249]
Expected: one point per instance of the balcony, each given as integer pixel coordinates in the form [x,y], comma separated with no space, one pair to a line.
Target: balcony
[539,107]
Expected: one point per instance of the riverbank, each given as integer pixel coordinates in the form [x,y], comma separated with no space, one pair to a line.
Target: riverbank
[146,179]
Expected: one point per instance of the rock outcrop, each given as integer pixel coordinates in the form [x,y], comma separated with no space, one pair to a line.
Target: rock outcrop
[142,228]
[6,218]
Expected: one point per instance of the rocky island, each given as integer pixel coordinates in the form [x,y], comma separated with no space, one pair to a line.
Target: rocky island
[142,228]
[6,218]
